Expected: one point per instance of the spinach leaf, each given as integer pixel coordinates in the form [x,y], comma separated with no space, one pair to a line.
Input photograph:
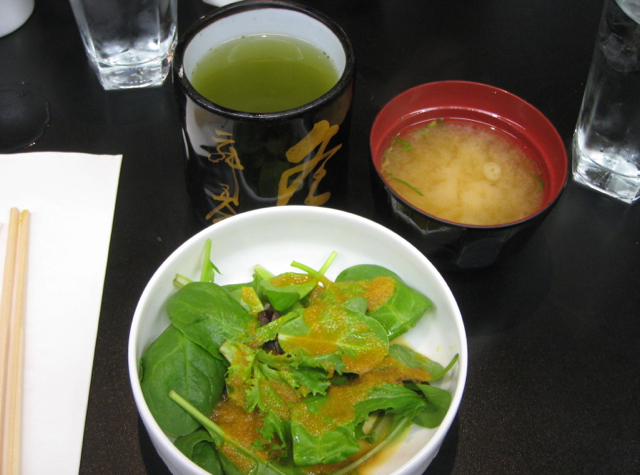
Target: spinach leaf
[438,402]
[392,398]
[334,329]
[293,371]
[357,304]
[405,307]
[248,298]
[334,445]
[239,373]
[275,426]
[248,294]
[336,441]
[285,290]
[208,315]
[413,359]
[261,467]
[229,467]
[198,446]
[398,426]
[269,332]
[173,362]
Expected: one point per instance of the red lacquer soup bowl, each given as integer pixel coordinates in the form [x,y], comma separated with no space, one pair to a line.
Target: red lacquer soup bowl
[448,244]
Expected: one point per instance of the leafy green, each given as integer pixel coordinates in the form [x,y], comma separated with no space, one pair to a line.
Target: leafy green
[228,466]
[398,426]
[295,372]
[402,311]
[413,359]
[360,340]
[283,297]
[260,466]
[173,362]
[239,374]
[332,382]
[337,440]
[247,296]
[207,314]
[208,268]
[438,402]
[392,398]
[330,446]
[199,447]
[357,304]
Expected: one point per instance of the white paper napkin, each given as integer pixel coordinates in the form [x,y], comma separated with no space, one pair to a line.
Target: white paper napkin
[71,198]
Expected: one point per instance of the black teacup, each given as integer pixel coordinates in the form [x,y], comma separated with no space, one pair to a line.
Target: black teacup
[237,160]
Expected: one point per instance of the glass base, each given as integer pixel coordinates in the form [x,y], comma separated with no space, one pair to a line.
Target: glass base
[603,173]
[117,75]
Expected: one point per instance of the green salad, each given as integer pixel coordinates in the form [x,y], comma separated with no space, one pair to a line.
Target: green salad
[291,373]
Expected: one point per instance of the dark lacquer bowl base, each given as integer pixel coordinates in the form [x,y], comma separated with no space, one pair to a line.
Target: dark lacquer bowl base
[451,245]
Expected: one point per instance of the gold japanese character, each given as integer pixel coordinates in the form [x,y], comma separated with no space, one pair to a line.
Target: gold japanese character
[320,135]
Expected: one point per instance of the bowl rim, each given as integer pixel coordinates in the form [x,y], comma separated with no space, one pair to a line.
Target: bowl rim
[295,210]
[460,83]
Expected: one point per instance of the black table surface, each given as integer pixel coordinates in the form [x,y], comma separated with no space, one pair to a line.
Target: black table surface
[553,333]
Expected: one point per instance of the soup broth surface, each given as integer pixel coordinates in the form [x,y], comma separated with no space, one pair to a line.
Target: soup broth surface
[463,172]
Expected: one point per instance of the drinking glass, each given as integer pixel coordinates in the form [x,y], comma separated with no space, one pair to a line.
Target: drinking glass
[129,43]
[606,143]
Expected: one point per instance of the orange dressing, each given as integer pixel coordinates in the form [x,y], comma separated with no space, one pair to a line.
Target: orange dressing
[379,291]
[242,427]
[237,381]
[249,296]
[326,320]
[339,409]
[279,397]
[327,323]
[291,278]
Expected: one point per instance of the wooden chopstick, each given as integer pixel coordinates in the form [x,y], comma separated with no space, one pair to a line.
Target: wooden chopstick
[6,308]
[11,340]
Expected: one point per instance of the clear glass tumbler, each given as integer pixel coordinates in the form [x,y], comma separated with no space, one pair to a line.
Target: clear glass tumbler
[606,143]
[129,43]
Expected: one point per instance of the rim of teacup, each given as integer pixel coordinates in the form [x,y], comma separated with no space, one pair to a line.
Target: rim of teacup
[206,21]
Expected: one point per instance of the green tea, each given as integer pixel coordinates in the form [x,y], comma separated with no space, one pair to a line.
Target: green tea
[264,73]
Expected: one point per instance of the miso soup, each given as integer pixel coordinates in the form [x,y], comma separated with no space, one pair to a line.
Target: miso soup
[463,172]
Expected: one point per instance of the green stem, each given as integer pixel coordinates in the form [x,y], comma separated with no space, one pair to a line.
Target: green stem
[180,280]
[439,375]
[262,272]
[312,272]
[390,437]
[207,274]
[216,432]
[328,263]
[214,429]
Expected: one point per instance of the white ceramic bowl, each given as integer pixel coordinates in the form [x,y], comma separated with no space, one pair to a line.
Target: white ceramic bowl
[274,237]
